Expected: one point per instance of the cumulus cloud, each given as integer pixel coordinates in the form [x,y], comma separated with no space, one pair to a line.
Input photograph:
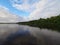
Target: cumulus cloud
[7,17]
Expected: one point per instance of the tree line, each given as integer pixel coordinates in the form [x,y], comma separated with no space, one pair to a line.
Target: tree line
[50,23]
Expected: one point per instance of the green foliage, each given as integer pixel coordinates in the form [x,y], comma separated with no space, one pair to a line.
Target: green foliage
[50,23]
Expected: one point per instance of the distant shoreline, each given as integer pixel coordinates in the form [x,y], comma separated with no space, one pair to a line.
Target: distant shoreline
[49,23]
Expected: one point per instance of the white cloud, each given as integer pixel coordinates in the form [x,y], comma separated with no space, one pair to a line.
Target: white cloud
[7,17]
[23,5]
[39,9]
[45,8]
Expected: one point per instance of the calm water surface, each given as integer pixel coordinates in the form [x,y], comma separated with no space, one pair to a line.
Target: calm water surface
[41,36]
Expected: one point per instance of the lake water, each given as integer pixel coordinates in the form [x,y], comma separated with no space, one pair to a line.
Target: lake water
[14,34]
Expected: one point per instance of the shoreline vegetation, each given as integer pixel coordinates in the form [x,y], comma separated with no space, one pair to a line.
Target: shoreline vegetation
[49,23]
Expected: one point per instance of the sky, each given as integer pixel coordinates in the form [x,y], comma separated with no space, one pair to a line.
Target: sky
[25,10]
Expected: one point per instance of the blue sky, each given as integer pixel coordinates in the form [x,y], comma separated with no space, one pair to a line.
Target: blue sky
[7,4]
[28,9]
